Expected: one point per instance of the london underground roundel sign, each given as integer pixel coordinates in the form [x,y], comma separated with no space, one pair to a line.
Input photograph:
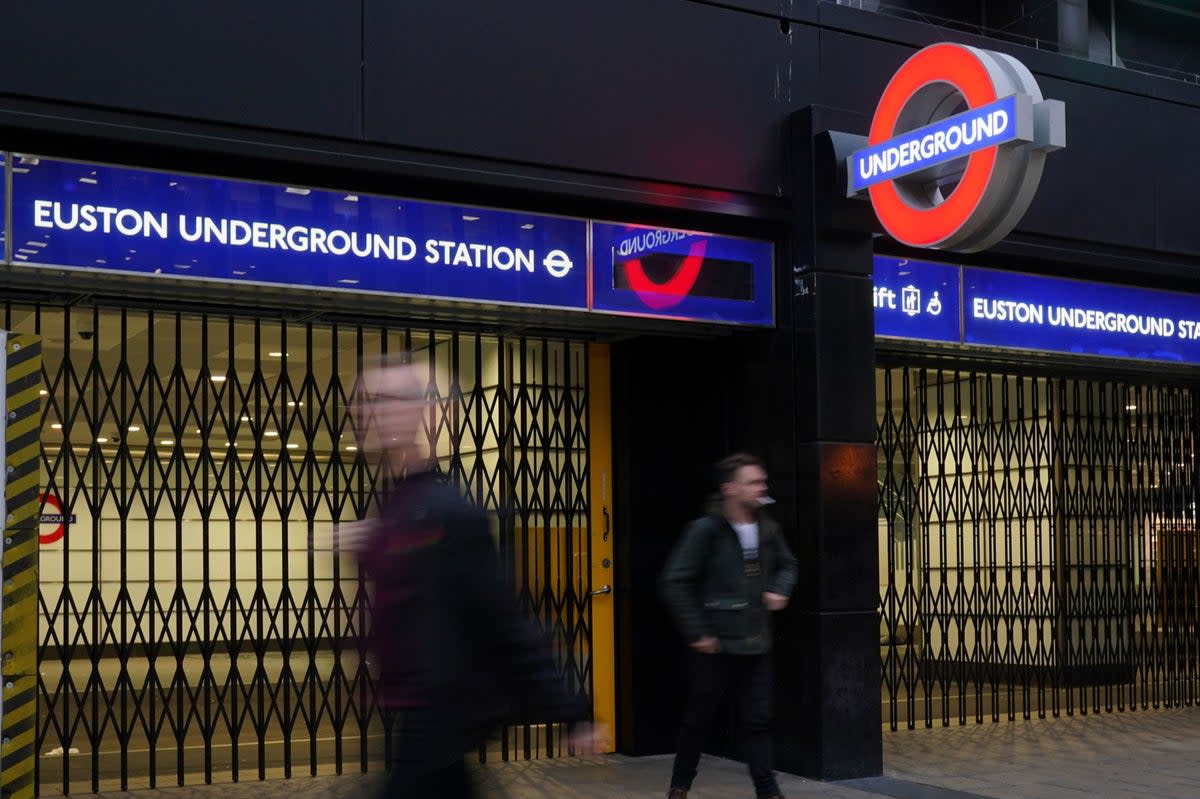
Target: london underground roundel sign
[946,178]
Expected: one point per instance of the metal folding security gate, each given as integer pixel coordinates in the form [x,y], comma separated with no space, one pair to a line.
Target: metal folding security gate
[1038,544]
[192,626]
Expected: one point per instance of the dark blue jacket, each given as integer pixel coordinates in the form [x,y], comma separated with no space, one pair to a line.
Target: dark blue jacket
[447,624]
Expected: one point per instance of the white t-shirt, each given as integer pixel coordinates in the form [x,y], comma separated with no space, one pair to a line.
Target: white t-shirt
[748,534]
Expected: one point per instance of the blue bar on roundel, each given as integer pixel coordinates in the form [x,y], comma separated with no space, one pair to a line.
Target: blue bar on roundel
[936,144]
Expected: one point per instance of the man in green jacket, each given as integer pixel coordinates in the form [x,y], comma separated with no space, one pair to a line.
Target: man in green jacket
[728,572]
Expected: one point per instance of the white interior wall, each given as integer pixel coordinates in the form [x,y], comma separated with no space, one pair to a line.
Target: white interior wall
[107,555]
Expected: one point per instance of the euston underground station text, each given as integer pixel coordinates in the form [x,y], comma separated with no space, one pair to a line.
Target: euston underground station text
[1091,319]
[136,223]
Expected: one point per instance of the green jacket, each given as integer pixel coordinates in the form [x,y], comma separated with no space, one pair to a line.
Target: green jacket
[709,590]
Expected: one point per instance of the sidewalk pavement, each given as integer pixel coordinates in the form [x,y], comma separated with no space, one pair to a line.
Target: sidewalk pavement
[1145,754]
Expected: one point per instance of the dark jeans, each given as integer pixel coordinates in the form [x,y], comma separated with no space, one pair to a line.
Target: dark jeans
[427,763]
[747,678]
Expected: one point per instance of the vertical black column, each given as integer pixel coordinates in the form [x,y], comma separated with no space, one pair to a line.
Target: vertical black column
[679,405]
[828,703]
[667,429]
[802,397]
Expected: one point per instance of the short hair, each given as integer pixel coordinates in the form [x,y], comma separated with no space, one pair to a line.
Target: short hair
[727,468]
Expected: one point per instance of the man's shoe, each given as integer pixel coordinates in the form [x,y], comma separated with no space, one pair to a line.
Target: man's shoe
[677,793]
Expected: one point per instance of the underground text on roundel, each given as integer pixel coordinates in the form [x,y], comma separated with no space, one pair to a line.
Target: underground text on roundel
[936,144]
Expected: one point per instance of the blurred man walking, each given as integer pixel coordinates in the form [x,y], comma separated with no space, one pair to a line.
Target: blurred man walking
[456,657]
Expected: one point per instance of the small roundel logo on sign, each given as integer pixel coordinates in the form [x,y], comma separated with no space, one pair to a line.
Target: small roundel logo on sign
[956,148]
[53,520]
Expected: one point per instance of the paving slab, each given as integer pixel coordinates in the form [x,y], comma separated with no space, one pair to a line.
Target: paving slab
[1142,753]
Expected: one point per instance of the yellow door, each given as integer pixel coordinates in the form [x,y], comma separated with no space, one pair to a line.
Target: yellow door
[603,595]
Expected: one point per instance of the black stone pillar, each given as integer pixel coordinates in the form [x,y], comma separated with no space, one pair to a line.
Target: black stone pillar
[801,396]
[828,704]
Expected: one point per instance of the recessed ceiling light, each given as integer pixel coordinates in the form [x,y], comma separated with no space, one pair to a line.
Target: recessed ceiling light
[101,440]
[56,426]
[43,392]
[218,378]
[352,448]
[470,218]
[293,446]
[271,434]
[1131,407]
[166,442]
[274,354]
[133,428]
[245,418]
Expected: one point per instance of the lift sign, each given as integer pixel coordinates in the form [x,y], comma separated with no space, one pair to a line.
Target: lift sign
[961,181]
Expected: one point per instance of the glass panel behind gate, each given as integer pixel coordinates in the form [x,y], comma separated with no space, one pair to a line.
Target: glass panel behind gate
[1038,546]
[189,629]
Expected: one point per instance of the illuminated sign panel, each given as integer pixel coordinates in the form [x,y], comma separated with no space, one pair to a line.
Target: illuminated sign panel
[115,219]
[922,301]
[1002,309]
[682,274]
[917,300]
[164,225]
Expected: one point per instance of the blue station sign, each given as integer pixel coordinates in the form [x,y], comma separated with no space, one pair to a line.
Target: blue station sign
[126,220]
[1009,310]
[74,215]
[1069,316]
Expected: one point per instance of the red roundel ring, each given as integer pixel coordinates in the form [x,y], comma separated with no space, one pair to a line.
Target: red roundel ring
[962,69]
[671,292]
[57,533]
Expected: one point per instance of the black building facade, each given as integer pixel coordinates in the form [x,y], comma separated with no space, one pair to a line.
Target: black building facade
[970,537]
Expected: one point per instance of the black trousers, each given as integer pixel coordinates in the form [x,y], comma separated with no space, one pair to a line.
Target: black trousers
[748,680]
[427,763]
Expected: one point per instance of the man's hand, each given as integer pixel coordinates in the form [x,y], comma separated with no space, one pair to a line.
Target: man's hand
[773,601]
[352,537]
[708,645]
[590,739]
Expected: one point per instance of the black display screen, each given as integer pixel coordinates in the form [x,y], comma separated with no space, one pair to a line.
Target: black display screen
[718,278]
